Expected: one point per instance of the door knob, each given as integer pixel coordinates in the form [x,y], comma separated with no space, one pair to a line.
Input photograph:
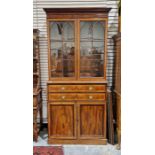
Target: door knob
[63,88]
[63,97]
[90,97]
[90,88]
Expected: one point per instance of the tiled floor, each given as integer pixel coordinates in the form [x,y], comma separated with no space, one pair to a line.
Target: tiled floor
[80,149]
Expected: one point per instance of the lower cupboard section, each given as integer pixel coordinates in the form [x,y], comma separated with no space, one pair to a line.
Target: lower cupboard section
[77,122]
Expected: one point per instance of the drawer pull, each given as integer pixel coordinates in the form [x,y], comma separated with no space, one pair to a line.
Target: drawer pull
[90,97]
[62,88]
[62,97]
[90,88]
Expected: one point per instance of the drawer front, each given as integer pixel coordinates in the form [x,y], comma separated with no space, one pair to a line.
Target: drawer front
[91,96]
[61,88]
[61,97]
[76,88]
[91,88]
[82,96]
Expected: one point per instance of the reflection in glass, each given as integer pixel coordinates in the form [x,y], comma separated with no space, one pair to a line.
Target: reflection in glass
[62,49]
[91,49]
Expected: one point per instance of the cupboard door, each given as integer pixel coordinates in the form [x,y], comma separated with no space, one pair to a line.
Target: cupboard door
[91,120]
[92,50]
[62,120]
[62,49]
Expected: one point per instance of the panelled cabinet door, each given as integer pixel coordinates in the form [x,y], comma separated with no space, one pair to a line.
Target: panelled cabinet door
[91,120]
[62,119]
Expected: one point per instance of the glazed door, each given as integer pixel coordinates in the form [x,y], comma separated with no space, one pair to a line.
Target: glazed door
[62,120]
[92,48]
[62,57]
[91,120]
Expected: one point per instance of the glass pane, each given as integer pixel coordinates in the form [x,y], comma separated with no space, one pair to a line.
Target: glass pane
[92,49]
[62,49]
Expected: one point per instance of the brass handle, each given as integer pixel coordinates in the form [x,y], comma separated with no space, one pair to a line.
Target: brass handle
[90,88]
[63,97]
[63,88]
[90,97]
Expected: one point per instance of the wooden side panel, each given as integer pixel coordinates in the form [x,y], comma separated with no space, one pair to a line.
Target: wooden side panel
[118,117]
[118,63]
[62,120]
[92,121]
[117,84]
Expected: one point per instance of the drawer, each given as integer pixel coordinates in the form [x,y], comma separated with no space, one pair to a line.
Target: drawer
[91,96]
[76,88]
[77,96]
[91,88]
[61,88]
[61,97]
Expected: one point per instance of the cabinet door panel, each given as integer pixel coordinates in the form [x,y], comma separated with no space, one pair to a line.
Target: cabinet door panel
[62,49]
[92,49]
[92,120]
[62,120]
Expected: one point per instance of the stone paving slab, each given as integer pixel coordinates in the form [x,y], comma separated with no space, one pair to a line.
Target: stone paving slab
[80,149]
